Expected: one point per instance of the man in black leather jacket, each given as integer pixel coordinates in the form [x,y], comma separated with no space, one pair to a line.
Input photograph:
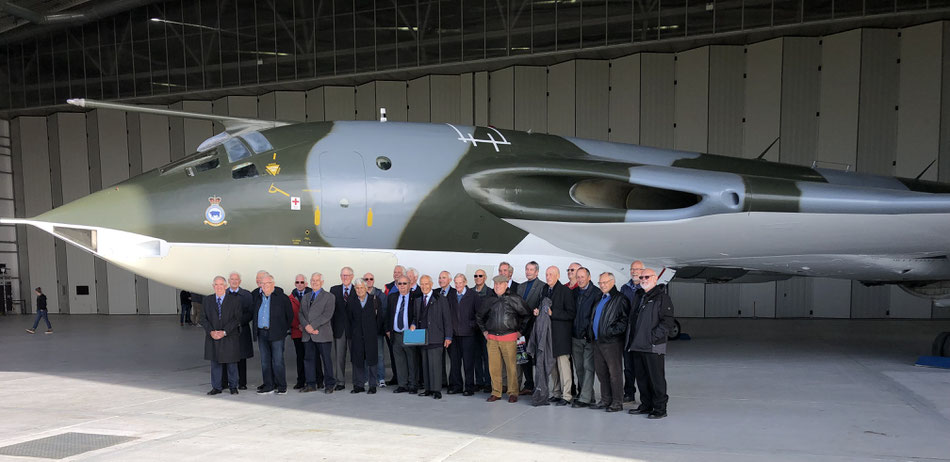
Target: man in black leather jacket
[647,330]
[608,324]
[501,318]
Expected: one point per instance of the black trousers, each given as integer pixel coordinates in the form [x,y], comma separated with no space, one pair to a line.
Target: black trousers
[482,374]
[651,377]
[318,364]
[392,359]
[629,374]
[301,372]
[462,359]
[242,373]
[608,364]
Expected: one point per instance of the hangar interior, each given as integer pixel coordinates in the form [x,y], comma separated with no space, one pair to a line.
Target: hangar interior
[863,90]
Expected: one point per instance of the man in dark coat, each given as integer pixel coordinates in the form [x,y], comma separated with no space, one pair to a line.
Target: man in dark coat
[273,316]
[562,343]
[365,320]
[586,295]
[247,341]
[432,313]
[530,292]
[631,290]
[608,324]
[482,288]
[222,320]
[647,331]
[501,319]
[463,351]
[343,293]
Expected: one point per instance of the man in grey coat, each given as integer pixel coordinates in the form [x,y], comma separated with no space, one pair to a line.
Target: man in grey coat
[540,348]
[316,312]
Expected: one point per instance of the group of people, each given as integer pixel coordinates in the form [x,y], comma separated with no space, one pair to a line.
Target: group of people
[567,334]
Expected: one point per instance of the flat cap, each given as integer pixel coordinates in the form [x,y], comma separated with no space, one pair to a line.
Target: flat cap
[499,278]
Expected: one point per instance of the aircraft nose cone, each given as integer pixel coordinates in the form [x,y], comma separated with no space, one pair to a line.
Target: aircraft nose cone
[121,207]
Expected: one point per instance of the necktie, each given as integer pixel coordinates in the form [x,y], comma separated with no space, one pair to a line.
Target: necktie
[425,300]
[402,304]
[346,292]
[219,307]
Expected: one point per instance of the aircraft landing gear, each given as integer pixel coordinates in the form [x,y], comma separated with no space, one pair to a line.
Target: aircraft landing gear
[941,345]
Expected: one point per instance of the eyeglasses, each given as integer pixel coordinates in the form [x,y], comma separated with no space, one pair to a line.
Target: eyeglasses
[300,282]
[570,270]
[646,277]
[402,283]
[368,279]
[479,275]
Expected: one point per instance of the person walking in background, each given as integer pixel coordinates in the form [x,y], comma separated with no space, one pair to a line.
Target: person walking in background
[41,312]
[185,297]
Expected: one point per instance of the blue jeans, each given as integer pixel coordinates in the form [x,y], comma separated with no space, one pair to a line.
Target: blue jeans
[42,314]
[185,314]
[216,375]
[272,361]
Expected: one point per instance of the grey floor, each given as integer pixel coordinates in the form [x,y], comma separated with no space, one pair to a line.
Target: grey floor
[740,390]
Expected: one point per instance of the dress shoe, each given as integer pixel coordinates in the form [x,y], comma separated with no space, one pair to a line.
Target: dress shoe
[372,391]
[597,406]
[242,387]
[400,390]
[260,387]
[492,399]
[657,415]
[640,411]
[562,402]
[307,389]
[339,387]
[281,391]
[614,408]
[298,386]
[628,399]
[413,391]
[542,403]
[319,384]
[512,398]
[425,393]
[452,391]
[264,391]
[357,390]
[579,403]
[526,391]
[328,391]
[486,389]
[234,391]
[467,393]
[214,391]
[437,395]
[553,399]
[392,382]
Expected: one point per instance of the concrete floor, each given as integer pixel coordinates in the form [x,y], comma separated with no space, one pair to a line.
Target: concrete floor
[740,390]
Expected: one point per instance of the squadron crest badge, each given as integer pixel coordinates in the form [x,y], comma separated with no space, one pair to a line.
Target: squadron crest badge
[214,214]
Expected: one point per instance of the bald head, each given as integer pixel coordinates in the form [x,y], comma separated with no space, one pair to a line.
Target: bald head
[551,275]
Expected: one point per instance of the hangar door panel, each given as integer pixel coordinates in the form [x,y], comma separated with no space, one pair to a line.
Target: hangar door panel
[343,195]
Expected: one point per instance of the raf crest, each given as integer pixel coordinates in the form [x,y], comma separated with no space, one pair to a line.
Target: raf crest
[214,214]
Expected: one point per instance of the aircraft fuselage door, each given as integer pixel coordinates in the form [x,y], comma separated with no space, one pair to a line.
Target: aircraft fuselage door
[343,205]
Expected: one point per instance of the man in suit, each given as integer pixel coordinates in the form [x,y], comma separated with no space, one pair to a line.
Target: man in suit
[273,316]
[342,293]
[316,313]
[448,292]
[432,313]
[381,341]
[398,320]
[562,328]
[505,269]
[247,342]
[530,291]
[586,296]
[300,292]
[413,275]
[222,322]
[482,377]
[462,351]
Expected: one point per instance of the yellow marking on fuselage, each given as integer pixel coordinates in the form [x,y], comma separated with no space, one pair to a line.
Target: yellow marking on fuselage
[316,215]
[311,190]
[369,218]
[275,156]
[273,168]
[274,189]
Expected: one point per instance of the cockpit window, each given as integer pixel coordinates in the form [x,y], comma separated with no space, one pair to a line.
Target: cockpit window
[257,142]
[245,170]
[213,163]
[236,150]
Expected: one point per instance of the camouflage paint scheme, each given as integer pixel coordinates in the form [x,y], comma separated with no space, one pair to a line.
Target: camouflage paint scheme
[453,188]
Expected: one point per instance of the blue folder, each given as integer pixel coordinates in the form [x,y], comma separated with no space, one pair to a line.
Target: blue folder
[414,337]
